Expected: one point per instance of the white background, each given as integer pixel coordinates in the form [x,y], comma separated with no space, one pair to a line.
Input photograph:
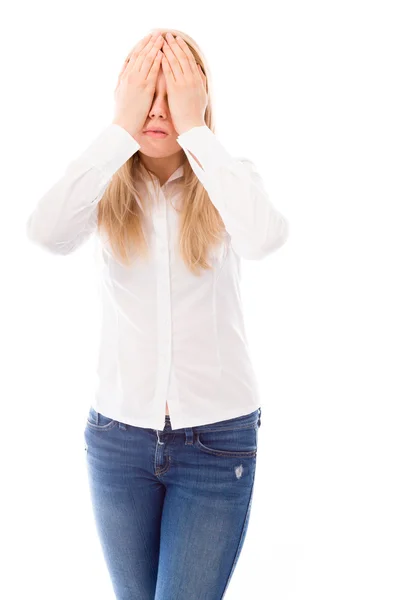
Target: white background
[310,92]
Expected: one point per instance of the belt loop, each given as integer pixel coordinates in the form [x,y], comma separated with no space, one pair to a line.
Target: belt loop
[259,417]
[121,425]
[189,435]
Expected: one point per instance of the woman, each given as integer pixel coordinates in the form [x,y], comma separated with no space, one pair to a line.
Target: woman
[171,435]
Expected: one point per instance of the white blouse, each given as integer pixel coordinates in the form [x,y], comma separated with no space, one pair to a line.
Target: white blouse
[167,335]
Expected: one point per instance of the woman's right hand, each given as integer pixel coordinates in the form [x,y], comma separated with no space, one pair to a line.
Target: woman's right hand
[137,83]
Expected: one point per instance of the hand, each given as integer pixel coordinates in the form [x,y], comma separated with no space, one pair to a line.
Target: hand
[186,85]
[136,84]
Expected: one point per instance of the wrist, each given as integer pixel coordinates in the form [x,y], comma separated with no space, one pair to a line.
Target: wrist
[126,127]
[184,128]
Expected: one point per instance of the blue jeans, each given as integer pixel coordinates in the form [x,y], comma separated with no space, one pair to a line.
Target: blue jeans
[171,507]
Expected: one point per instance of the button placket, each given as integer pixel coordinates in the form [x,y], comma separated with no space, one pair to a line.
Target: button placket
[164,324]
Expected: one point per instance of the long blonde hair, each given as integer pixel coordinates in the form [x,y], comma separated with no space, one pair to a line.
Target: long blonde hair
[120,214]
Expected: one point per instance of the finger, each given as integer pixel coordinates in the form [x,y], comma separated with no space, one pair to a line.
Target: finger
[146,57]
[123,68]
[130,59]
[168,73]
[140,44]
[139,53]
[182,49]
[153,73]
[136,48]
[121,73]
[202,74]
[171,51]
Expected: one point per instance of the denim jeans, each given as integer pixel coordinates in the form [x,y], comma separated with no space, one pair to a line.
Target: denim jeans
[171,506]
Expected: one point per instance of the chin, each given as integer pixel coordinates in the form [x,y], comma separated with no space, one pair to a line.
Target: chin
[166,149]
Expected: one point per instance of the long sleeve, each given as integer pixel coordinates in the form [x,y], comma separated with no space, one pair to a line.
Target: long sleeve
[236,189]
[67,213]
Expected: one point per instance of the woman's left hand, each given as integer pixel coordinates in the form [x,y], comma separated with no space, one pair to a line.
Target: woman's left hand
[186,85]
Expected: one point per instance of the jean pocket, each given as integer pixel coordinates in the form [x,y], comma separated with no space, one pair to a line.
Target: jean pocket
[234,443]
[99,422]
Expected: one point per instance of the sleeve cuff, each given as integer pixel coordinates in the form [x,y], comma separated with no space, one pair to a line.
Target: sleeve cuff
[111,149]
[206,147]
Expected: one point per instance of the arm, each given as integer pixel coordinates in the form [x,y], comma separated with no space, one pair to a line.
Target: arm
[67,213]
[237,191]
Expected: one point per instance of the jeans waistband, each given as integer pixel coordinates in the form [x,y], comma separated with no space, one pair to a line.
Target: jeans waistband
[243,421]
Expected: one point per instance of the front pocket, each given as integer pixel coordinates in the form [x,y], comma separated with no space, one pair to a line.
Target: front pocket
[97,421]
[234,443]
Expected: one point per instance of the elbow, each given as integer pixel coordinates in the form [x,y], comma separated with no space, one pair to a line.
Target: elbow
[270,229]
[38,238]
[33,233]
[53,248]
[253,249]
[279,239]
[57,240]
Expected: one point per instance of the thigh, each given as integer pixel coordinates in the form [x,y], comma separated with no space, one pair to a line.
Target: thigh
[206,513]
[127,504]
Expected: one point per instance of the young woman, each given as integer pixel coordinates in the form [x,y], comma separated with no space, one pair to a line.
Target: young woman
[171,435]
